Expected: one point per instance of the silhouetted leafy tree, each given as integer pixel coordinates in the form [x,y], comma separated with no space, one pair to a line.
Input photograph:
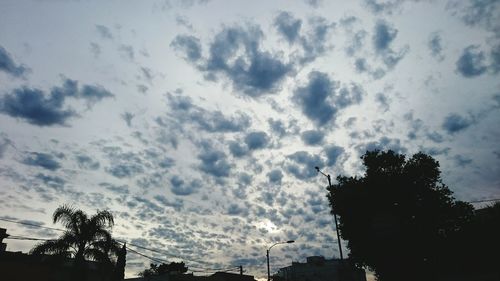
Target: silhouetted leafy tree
[171,268]
[398,216]
[84,239]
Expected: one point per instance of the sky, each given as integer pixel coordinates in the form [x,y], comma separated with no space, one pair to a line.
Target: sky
[198,123]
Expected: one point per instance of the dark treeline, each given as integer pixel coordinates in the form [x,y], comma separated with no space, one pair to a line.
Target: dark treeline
[401,220]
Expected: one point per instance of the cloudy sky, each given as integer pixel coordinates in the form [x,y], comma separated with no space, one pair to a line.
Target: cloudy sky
[199,123]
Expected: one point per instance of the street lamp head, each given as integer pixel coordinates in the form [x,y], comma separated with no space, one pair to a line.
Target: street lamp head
[317,168]
[290,241]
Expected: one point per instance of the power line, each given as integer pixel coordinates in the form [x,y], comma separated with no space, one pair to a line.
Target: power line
[31,224]
[14,237]
[157,260]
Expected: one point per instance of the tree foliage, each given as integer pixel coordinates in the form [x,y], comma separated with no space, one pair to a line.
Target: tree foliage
[85,238]
[398,217]
[171,268]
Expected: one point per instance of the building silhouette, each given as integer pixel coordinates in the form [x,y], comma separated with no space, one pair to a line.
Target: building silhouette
[317,268]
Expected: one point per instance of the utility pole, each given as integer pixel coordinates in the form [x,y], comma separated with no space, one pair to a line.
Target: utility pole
[241,270]
[268,271]
[334,215]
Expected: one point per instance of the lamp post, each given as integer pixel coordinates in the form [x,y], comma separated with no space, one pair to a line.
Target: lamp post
[334,215]
[267,255]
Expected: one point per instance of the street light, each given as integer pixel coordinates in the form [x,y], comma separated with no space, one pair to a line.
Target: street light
[267,255]
[334,215]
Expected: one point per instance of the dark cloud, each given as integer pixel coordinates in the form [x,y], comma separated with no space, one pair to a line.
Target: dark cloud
[147,73]
[31,105]
[212,121]
[86,162]
[92,94]
[181,188]
[315,43]
[302,164]
[256,140]
[462,161]
[213,161]
[361,65]
[44,160]
[479,13]
[166,163]
[454,123]
[236,210]
[383,36]
[472,62]
[275,176]
[383,101]
[54,182]
[313,98]
[320,101]
[378,7]
[313,137]
[189,45]
[127,117]
[356,42]
[125,170]
[277,126]
[237,149]
[435,45]
[104,31]
[183,21]
[288,26]
[235,54]
[4,143]
[435,137]
[176,204]
[495,59]
[333,153]
[40,109]
[123,164]
[384,143]
[255,72]
[8,65]
[118,189]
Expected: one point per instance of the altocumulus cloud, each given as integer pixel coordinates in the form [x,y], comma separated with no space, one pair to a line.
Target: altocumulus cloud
[288,26]
[8,65]
[383,36]
[181,188]
[43,160]
[302,164]
[213,162]
[235,54]
[454,123]
[41,109]
[184,110]
[312,137]
[319,99]
[472,62]
[188,44]
[256,140]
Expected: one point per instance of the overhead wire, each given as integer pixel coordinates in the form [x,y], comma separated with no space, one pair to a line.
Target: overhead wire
[157,260]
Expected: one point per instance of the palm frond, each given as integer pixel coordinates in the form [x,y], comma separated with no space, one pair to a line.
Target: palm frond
[97,255]
[102,219]
[64,214]
[52,247]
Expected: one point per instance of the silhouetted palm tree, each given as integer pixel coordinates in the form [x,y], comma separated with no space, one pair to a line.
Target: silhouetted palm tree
[84,239]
